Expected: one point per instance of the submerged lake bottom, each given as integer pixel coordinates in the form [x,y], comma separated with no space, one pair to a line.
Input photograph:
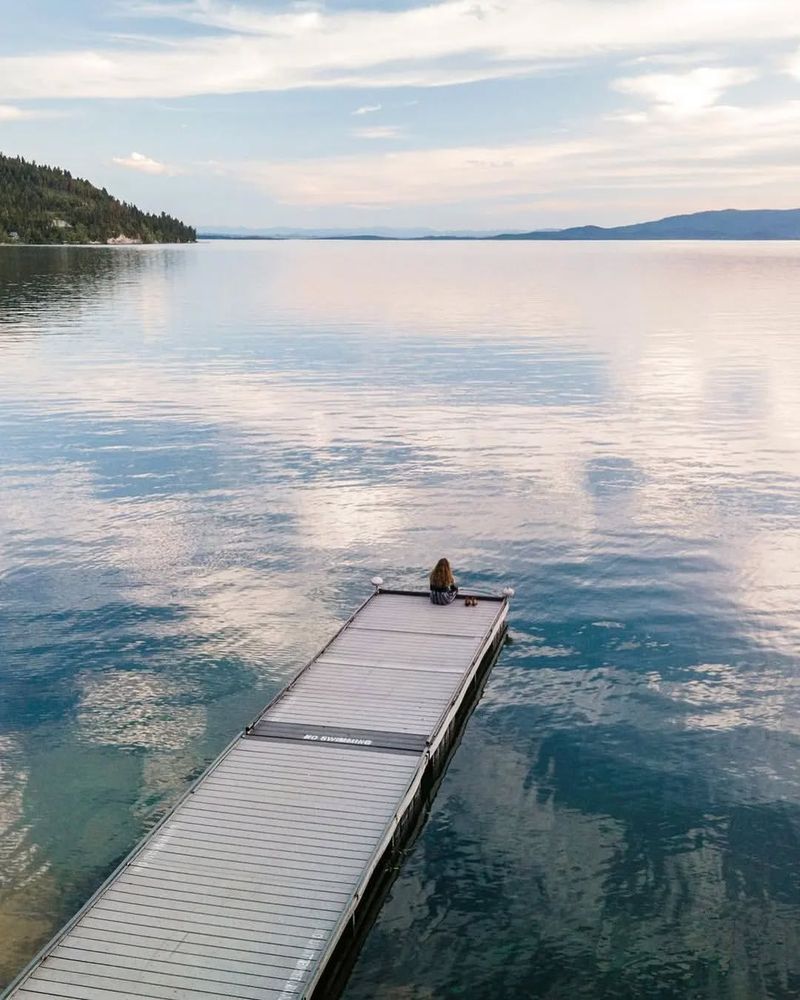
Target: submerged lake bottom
[206,452]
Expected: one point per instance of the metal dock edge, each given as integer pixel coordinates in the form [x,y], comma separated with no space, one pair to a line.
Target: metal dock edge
[262,881]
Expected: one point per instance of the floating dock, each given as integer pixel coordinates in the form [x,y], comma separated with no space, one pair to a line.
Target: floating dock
[262,880]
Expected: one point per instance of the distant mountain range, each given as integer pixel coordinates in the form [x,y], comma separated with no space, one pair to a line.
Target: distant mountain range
[380,232]
[41,204]
[728,224]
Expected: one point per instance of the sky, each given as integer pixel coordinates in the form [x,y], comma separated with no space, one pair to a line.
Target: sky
[452,115]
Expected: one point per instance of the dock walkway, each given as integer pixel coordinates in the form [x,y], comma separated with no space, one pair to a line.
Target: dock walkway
[257,885]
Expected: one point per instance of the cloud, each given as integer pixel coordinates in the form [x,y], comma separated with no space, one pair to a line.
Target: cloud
[243,48]
[685,93]
[716,157]
[687,57]
[793,65]
[11,113]
[424,177]
[367,109]
[144,164]
[379,132]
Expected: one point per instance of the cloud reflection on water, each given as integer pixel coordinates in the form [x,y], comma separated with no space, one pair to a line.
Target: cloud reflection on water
[532,880]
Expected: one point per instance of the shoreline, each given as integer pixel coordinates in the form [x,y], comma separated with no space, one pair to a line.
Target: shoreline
[99,246]
[367,238]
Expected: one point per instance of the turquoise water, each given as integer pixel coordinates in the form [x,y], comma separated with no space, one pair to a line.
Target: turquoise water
[205,454]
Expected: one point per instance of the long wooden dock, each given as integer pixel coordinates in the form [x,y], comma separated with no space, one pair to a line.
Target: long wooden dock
[260,882]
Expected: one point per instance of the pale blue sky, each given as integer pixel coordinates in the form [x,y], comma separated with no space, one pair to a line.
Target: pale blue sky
[458,114]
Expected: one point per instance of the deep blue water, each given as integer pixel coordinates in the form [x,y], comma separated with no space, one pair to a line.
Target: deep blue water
[205,454]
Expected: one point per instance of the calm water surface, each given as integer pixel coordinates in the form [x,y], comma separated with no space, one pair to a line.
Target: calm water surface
[205,454]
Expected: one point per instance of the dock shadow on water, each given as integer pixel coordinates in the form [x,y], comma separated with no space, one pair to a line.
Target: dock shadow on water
[205,454]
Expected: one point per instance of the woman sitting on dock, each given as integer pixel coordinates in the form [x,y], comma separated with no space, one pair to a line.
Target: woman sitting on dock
[443,587]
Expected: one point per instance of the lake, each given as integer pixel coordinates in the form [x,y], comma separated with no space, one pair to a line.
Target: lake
[206,452]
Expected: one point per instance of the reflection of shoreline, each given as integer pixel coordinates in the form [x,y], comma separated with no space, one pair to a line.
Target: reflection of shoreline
[65,288]
[17,245]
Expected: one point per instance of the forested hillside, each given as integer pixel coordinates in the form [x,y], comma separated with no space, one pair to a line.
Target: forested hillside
[49,205]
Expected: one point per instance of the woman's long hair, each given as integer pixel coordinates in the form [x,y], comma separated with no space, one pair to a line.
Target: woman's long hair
[442,575]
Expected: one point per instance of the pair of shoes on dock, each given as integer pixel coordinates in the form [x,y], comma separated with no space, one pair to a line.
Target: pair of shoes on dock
[470,602]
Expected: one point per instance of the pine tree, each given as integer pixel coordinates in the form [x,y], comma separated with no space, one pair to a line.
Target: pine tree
[33,197]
